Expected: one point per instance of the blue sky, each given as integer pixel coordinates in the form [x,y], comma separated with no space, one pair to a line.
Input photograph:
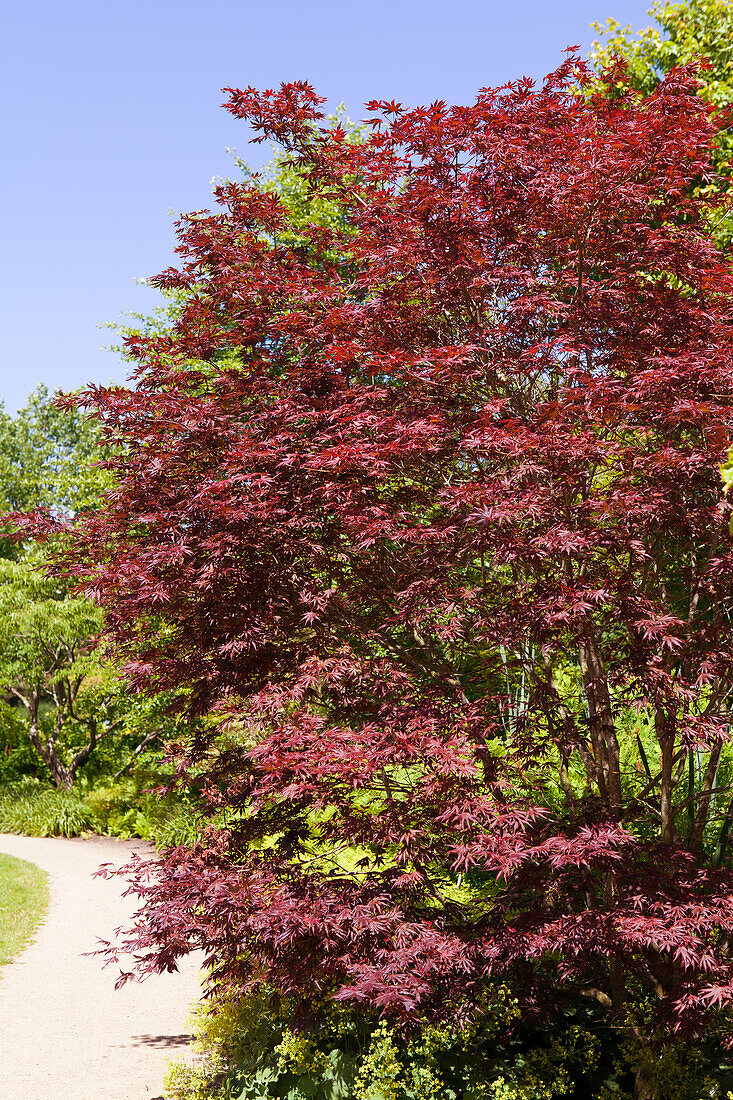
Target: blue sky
[112,118]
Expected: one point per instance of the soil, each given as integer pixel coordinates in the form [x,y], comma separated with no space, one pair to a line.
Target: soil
[65,1032]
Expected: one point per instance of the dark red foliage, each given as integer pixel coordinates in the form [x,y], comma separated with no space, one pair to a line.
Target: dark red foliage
[390,485]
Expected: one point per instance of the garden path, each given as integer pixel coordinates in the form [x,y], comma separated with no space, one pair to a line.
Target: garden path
[65,1032]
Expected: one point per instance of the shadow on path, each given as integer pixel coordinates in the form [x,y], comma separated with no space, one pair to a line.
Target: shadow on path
[163,1040]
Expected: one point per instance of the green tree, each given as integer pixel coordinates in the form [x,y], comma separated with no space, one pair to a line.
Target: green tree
[684,32]
[48,458]
[51,669]
[52,665]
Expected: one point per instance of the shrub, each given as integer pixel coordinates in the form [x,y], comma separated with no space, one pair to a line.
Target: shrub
[252,1051]
[263,1047]
[17,758]
[30,808]
[118,809]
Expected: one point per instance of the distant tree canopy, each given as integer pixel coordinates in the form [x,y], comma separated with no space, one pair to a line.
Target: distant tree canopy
[51,664]
[48,458]
[64,695]
[684,33]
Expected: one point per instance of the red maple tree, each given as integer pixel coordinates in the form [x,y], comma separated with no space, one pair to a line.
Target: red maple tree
[426,503]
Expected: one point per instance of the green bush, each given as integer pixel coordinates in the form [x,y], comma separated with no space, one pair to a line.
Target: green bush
[30,808]
[118,809]
[251,1051]
[18,759]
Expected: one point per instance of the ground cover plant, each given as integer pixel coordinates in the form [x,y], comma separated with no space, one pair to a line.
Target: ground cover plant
[250,1049]
[425,503]
[123,808]
[23,902]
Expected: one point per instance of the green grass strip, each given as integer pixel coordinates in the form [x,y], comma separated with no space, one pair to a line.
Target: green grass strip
[23,903]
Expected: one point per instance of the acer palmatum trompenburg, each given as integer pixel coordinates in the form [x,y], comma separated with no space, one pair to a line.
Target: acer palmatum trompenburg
[423,498]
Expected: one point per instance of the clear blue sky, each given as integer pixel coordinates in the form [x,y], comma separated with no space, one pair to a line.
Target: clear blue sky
[112,118]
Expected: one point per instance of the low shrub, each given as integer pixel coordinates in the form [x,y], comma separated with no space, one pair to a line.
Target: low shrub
[29,807]
[253,1051]
[119,808]
[18,759]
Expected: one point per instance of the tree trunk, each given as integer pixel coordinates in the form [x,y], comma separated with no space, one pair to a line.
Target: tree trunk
[61,775]
[601,724]
[645,1086]
[665,733]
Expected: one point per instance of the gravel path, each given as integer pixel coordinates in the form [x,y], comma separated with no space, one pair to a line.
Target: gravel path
[65,1032]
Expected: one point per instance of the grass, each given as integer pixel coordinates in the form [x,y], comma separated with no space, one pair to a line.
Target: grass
[23,901]
[117,809]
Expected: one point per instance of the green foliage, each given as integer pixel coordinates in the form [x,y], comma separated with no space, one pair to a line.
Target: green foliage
[685,32]
[32,810]
[43,629]
[23,901]
[250,1052]
[682,1072]
[67,711]
[48,458]
[52,666]
[120,809]
[17,757]
[62,687]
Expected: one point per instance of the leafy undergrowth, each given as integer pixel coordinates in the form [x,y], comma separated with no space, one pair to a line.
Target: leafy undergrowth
[23,902]
[252,1050]
[118,809]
